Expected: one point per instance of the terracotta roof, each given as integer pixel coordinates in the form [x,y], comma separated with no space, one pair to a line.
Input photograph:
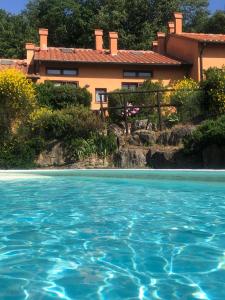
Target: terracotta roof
[203,37]
[93,56]
[13,64]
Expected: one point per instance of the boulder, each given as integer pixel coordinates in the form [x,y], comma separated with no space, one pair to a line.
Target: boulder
[130,158]
[53,156]
[134,140]
[116,130]
[172,159]
[163,138]
[178,133]
[214,157]
[141,124]
[147,137]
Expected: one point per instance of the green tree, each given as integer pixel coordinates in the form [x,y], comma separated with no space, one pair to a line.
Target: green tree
[216,23]
[71,22]
[14,33]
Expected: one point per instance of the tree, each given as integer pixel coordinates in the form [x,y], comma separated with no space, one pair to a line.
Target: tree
[71,22]
[17,100]
[216,23]
[14,33]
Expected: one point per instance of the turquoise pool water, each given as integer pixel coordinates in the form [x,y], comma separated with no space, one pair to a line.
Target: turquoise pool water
[111,235]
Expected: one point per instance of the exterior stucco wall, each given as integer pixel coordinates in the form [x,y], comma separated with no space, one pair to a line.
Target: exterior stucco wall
[214,56]
[187,50]
[110,77]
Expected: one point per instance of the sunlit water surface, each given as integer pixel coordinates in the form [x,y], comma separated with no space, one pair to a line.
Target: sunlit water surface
[112,235]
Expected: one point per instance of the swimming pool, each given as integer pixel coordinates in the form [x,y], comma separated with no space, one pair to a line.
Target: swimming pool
[112,235]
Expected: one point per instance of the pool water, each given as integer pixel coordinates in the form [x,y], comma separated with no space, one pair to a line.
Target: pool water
[112,235]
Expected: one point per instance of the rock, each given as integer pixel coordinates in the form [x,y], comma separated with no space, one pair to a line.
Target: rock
[178,133]
[140,124]
[214,157]
[134,140]
[53,156]
[172,159]
[161,159]
[116,130]
[147,138]
[163,138]
[92,162]
[121,141]
[130,158]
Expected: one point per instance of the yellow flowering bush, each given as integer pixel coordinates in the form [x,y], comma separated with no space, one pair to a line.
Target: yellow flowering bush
[186,97]
[17,98]
[214,92]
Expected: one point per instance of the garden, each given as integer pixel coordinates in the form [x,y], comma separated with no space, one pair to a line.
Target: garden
[35,115]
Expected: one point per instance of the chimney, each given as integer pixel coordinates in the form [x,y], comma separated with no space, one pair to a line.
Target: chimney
[30,53]
[171,27]
[178,20]
[113,38]
[155,46]
[98,39]
[43,33]
[161,42]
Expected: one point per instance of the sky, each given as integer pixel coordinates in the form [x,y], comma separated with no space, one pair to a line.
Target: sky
[14,6]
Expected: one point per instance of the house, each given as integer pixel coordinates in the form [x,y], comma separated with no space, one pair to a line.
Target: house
[202,51]
[175,55]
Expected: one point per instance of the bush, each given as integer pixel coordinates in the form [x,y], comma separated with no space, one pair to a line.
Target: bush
[134,100]
[64,124]
[59,97]
[214,92]
[17,100]
[17,152]
[186,99]
[97,144]
[209,133]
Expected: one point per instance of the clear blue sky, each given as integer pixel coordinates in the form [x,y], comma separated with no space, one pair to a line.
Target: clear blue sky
[15,6]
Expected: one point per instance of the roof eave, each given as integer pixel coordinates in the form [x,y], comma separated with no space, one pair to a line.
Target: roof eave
[115,63]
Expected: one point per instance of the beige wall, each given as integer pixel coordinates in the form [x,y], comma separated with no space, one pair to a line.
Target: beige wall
[187,50]
[214,56]
[111,77]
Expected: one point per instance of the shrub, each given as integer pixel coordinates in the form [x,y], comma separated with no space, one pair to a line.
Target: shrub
[67,123]
[59,97]
[186,99]
[17,152]
[209,133]
[134,100]
[214,92]
[97,144]
[17,100]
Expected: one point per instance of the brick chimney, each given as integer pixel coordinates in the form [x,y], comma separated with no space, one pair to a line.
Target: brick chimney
[171,27]
[43,33]
[30,53]
[99,39]
[178,20]
[113,43]
[161,42]
[155,46]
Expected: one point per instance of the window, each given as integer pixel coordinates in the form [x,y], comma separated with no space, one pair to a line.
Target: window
[59,83]
[70,72]
[140,74]
[53,72]
[62,72]
[98,97]
[130,85]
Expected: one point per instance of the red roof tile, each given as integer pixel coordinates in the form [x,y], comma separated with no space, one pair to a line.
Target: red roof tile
[93,56]
[203,37]
[13,64]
